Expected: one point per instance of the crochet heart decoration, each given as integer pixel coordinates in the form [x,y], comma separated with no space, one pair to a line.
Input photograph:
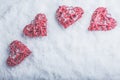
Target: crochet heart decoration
[18,52]
[66,15]
[101,20]
[38,27]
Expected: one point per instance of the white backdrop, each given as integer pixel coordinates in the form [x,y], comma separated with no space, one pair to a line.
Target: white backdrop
[65,54]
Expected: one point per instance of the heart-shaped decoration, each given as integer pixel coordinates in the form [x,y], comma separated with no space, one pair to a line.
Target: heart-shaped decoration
[38,27]
[101,20]
[66,15]
[18,52]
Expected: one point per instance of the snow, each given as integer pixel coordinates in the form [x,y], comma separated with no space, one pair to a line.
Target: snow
[65,54]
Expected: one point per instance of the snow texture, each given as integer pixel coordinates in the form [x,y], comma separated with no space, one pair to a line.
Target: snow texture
[65,54]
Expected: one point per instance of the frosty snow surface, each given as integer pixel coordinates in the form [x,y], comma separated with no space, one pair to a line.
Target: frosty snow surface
[65,54]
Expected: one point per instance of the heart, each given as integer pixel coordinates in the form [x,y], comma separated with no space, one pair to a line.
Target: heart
[18,52]
[38,27]
[66,15]
[102,20]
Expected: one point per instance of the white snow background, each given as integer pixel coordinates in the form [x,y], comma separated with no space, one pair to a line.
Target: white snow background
[65,54]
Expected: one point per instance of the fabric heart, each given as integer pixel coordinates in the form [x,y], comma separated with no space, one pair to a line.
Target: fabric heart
[18,52]
[101,20]
[38,27]
[66,15]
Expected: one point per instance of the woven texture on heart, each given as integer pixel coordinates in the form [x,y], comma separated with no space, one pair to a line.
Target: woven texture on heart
[38,27]
[18,52]
[67,15]
[102,20]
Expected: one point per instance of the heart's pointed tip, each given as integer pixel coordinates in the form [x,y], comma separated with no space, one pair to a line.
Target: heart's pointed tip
[10,62]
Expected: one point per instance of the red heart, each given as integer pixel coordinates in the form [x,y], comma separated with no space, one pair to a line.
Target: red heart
[37,28]
[101,20]
[18,52]
[66,16]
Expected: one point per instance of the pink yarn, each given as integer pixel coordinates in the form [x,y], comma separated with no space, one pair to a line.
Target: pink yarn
[18,52]
[101,20]
[37,28]
[66,15]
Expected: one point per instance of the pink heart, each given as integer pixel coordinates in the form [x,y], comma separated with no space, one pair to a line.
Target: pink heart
[66,15]
[18,52]
[101,20]
[38,27]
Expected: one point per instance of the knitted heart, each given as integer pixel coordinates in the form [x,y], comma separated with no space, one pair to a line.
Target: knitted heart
[101,20]
[37,27]
[66,15]
[18,52]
